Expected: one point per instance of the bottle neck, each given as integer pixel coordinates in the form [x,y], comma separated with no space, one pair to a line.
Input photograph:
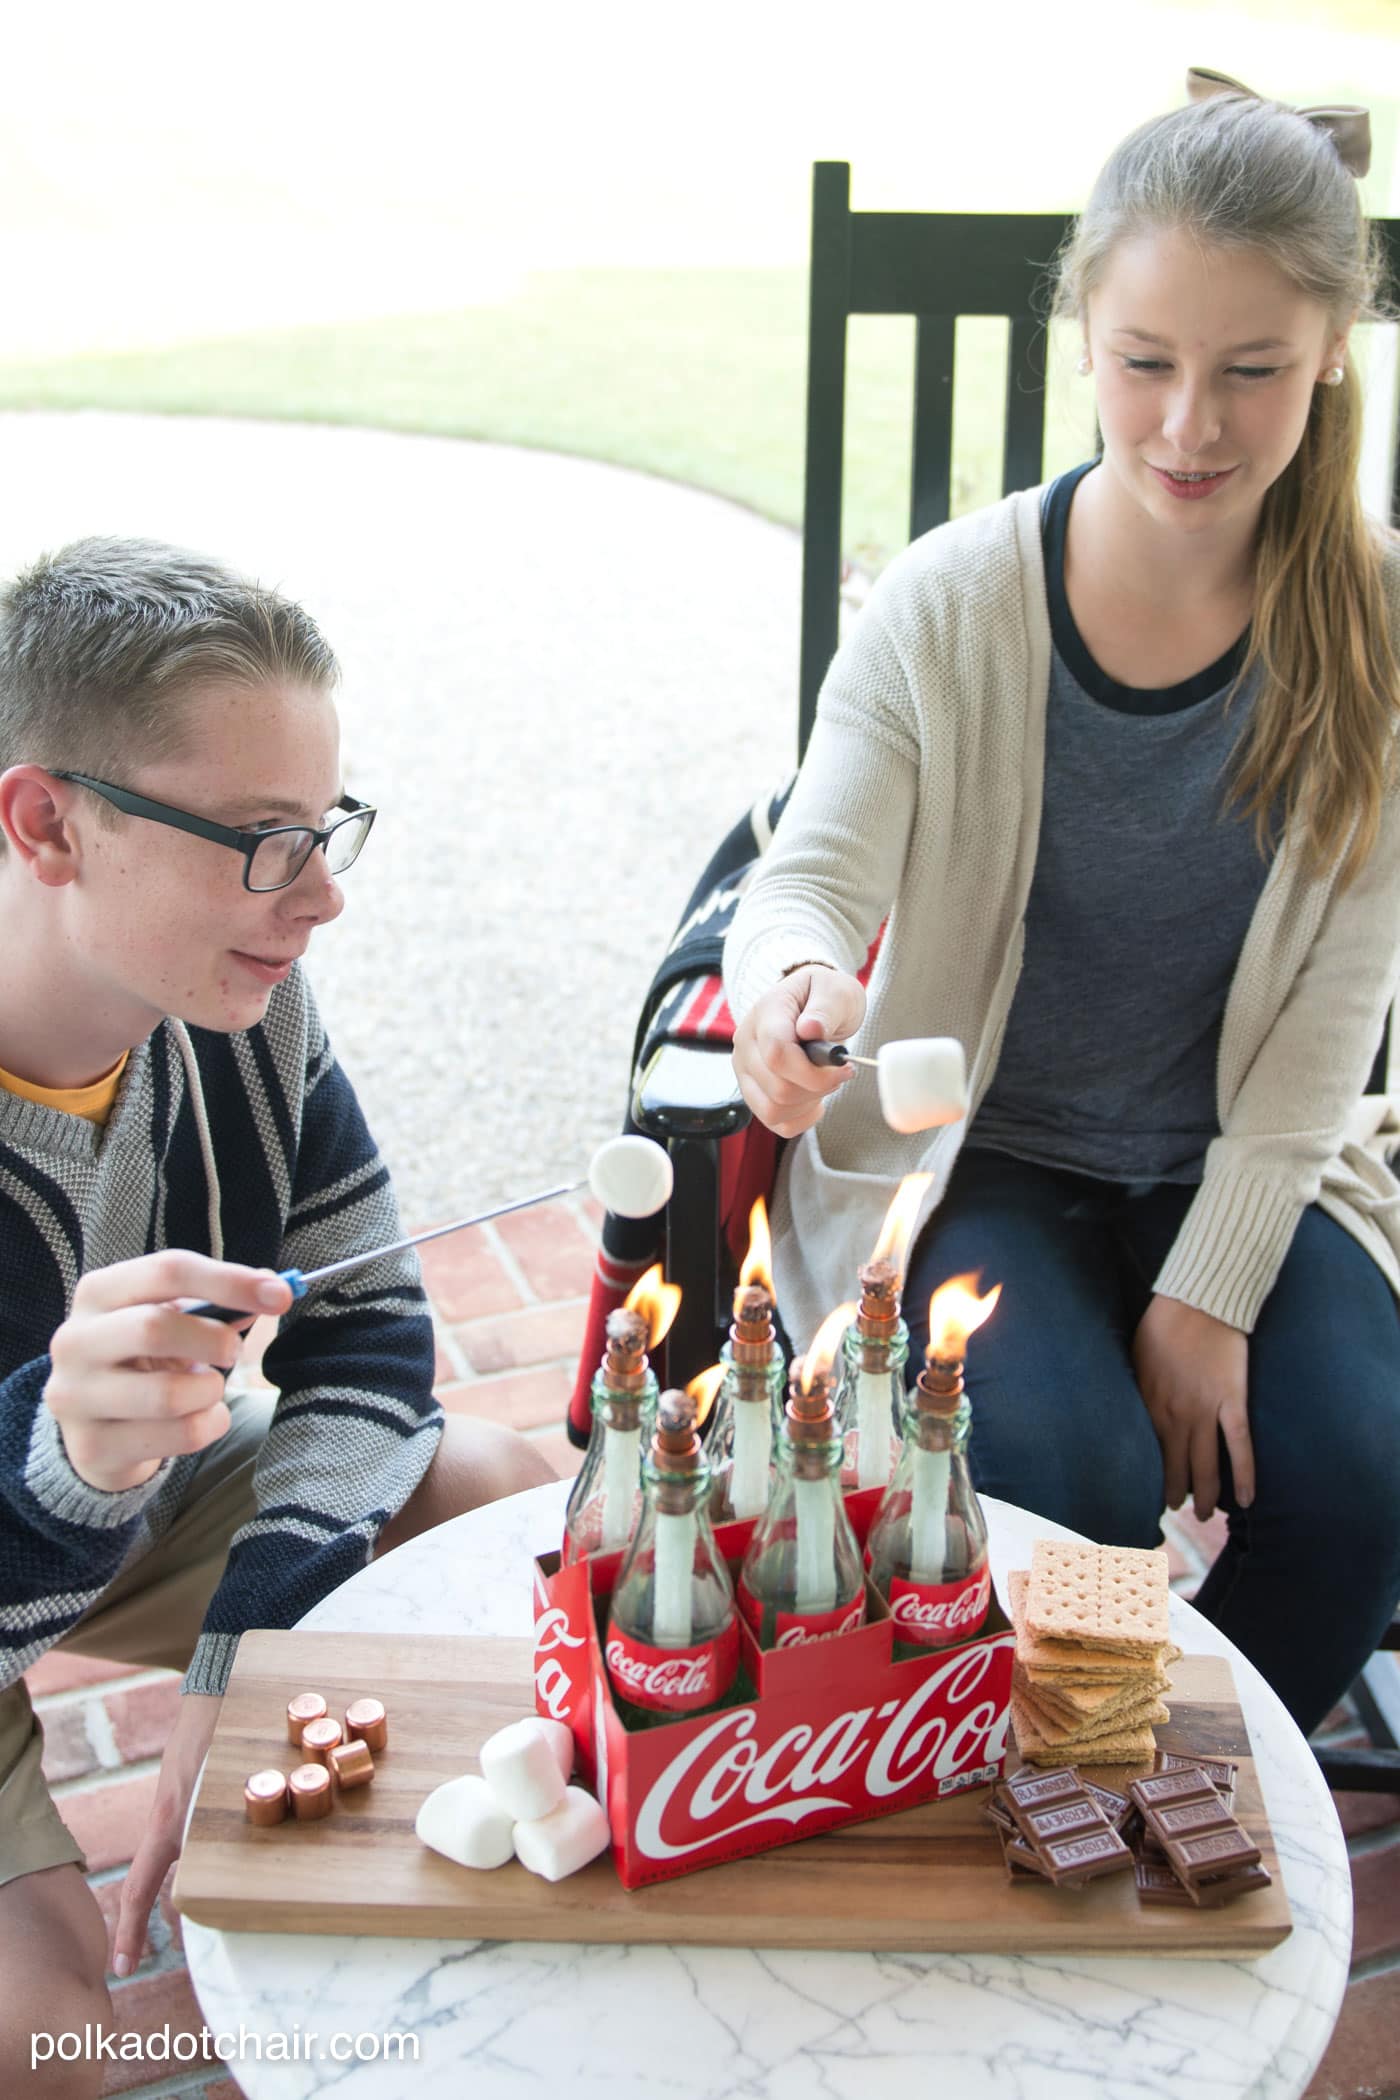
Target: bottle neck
[757,1385]
[931,1429]
[886,1353]
[676,1494]
[814,1461]
[616,1408]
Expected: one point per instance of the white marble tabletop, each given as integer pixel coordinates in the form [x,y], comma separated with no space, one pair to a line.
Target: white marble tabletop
[496,2020]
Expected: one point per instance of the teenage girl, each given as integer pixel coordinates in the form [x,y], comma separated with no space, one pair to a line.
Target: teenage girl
[1115,760]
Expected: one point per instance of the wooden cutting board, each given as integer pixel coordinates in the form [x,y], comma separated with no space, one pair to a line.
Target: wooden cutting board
[927,1879]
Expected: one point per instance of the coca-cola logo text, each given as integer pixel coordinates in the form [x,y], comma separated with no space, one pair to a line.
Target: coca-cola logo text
[553,1685]
[922,1611]
[803,1635]
[722,1782]
[677,1677]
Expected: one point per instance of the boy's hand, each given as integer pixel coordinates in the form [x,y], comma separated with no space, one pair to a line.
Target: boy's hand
[135,1380]
[161,1839]
[782,1087]
[1193,1374]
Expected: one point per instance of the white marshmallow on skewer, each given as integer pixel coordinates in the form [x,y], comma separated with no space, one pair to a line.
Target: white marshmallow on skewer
[465,1822]
[521,1765]
[632,1176]
[566,1839]
[922,1082]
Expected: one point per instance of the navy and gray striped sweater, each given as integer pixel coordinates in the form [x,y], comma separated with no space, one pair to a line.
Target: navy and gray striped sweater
[251,1146]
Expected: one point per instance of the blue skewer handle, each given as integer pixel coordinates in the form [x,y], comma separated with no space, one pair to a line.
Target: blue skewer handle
[228,1314]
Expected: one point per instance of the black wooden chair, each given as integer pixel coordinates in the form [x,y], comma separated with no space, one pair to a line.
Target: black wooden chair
[936,267]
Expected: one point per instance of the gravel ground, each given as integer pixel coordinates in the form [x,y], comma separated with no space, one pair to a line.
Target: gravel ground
[563,682]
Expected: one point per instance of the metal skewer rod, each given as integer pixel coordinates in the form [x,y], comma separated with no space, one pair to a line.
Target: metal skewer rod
[837,1054]
[301,1283]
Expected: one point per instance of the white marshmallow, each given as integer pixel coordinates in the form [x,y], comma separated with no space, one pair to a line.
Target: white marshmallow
[561,1741]
[922,1082]
[566,1839]
[522,1767]
[464,1821]
[632,1176]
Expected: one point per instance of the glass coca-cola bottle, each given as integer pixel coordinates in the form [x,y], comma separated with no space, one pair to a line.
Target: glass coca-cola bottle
[740,1442]
[606,1498]
[927,1546]
[870,1394]
[672,1643]
[802,1578]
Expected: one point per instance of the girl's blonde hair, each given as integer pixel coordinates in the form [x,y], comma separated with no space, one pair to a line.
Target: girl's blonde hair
[1239,172]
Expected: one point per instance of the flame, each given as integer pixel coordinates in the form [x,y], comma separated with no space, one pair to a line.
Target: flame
[702,1389]
[658,1301]
[758,1262]
[825,1343]
[955,1311]
[893,1243]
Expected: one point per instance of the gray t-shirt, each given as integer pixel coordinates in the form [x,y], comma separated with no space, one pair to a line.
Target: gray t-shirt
[1145,882]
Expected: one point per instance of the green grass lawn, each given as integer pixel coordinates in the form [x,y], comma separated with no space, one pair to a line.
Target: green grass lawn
[697,375]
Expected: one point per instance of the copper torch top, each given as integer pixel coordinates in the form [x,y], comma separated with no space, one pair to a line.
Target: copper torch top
[878,1314]
[752,1336]
[810,1416]
[625,1358]
[939,1387]
[675,1445]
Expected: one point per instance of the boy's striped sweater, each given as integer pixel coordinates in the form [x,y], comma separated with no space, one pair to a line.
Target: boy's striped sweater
[252,1147]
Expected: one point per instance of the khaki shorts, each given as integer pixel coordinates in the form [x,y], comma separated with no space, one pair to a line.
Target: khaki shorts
[152,1615]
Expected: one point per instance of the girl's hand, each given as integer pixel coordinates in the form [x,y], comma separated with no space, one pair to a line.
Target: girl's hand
[1193,1374]
[782,1087]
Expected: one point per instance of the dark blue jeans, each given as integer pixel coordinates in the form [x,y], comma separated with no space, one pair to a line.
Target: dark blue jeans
[1311,1572]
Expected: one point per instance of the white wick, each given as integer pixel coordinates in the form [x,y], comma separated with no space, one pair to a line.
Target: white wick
[622,1470]
[872,1428]
[751,1455]
[816,1546]
[928,1546]
[675,1563]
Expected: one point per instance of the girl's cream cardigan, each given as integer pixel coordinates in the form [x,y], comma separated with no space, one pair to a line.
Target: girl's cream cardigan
[920,798]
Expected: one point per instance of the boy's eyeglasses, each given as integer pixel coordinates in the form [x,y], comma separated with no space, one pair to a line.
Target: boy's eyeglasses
[271,859]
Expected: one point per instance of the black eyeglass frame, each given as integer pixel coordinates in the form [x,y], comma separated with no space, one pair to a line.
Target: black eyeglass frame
[244,842]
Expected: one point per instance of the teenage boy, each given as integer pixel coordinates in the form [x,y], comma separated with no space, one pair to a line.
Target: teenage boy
[174,1127]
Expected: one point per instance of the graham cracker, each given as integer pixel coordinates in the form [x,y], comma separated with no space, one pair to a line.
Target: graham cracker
[1133,1746]
[1084,1705]
[1088,1665]
[1108,1598]
[1079,1733]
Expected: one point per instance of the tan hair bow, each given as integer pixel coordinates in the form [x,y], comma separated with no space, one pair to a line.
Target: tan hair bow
[1347,123]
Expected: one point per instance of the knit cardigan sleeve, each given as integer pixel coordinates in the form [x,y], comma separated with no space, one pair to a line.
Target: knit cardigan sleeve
[1288,1119]
[356,1423]
[837,855]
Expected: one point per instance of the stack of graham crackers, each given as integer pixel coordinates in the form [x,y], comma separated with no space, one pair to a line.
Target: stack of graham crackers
[1091,1653]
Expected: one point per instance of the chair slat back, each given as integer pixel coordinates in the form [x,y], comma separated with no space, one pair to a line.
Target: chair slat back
[935,266]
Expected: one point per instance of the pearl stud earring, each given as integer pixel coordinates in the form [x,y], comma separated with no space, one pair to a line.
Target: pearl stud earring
[1333,376]
[1084,367]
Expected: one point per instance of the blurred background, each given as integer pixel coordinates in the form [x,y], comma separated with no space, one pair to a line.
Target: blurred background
[240,250]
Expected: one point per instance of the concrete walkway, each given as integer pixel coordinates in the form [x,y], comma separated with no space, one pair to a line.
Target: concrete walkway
[563,682]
